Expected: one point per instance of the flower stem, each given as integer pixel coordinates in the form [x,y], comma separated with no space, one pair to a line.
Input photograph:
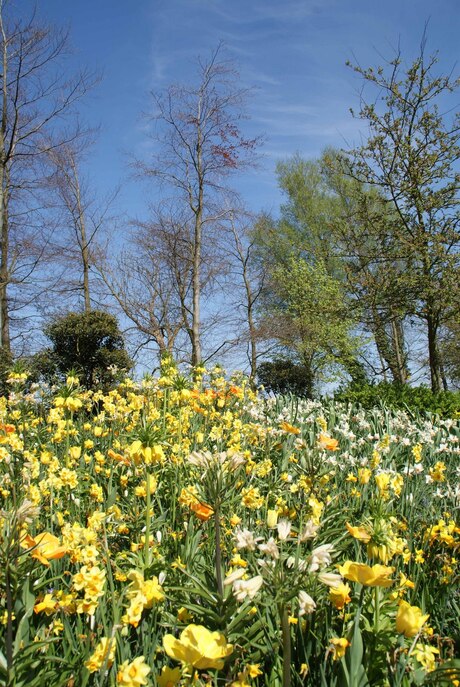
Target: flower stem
[286,636]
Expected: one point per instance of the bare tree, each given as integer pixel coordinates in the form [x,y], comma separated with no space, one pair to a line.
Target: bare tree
[36,100]
[81,216]
[199,145]
[247,279]
[152,280]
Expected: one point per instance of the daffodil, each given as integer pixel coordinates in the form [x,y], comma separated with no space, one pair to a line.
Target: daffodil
[375,576]
[133,674]
[44,547]
[198,647]
[409,619]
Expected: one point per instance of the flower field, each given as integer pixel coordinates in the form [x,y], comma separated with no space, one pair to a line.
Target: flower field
[189,532]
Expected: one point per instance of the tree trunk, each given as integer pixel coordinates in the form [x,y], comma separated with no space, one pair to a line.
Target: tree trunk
[196,288]
[398,350]
[433,352]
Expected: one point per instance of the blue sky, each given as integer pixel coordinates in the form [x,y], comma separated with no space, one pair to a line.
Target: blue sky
[293,53]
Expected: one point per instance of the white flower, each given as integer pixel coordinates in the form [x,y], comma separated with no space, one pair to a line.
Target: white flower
[235,575]
[320,557]
[309,531]
[270,548]
[284,529]
[306,604]
[243,589]
[245,540]
[330,579]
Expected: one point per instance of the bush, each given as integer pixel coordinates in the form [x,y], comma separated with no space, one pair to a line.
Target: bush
[90,344]
[444,403]
[282,376]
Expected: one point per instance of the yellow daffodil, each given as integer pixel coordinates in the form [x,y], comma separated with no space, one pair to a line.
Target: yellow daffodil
[198,647]
[103,656]
[339,646]
[359,533]
[340,595]
[410,619]
[425,654]
[44,547]
[375,576]
[133,674]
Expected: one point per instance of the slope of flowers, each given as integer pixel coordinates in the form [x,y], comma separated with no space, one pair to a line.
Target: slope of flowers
[187,532]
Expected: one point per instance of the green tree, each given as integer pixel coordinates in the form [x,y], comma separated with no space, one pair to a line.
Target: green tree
[310,315]
[89,343]
[365,234]
[410,156]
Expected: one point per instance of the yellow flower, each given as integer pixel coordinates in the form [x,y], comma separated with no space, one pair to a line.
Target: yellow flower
[377,576]
[364,475]
[169,677]
[198,647]
[409,619]
[290,429]
[104,655]
[45,547]
[339,647]
[133,674]
[383,483]
[340,595]
[425,655]
[359,533]
[47,606]
[272,518]
[327,443]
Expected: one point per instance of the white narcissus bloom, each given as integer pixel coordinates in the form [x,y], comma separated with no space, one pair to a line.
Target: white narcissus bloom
[270,548]
[247,589]
[245,540]
[284,529]
[309,531]
[306,604]
[235,575]
[320,557]
[330,579]
[200,458]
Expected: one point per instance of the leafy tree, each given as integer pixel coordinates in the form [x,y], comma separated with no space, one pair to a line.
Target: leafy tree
[365,234]
[411,156]
[89,343]
[310,317]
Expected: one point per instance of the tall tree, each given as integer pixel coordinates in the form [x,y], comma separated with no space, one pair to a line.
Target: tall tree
[411,156]
[365,234]
[199,145]
[81,217]
[36,100]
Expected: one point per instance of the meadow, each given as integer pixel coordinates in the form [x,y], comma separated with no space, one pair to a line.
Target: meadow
[188,531]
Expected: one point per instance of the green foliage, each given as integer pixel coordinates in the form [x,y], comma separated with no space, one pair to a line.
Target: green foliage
[446,404]
[89,343]
[282,376]
[313,315]
[6,362]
